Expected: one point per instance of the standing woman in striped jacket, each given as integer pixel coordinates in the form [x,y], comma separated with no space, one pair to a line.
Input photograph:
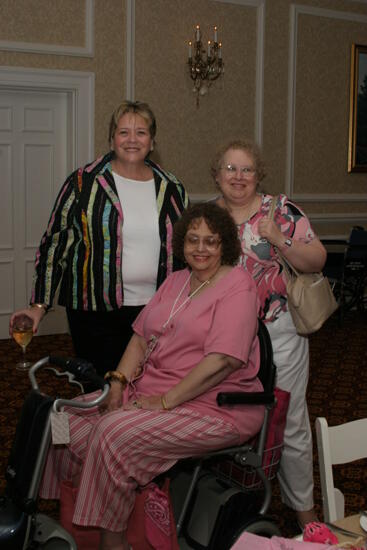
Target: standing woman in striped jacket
[107,247]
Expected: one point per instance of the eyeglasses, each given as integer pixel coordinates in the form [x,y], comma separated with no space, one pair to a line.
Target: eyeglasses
[245,171]
[210,243]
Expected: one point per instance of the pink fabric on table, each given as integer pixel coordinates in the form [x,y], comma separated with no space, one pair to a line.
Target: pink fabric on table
[248,541]
[223,319]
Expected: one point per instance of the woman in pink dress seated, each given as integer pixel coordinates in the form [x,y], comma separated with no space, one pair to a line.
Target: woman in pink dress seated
[195,338]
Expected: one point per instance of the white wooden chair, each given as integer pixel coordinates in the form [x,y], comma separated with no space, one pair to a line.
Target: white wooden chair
[338,445]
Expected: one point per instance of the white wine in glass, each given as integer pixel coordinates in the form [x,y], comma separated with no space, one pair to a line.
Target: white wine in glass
[23,334]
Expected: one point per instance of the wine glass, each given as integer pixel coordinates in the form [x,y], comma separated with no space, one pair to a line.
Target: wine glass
[23,334]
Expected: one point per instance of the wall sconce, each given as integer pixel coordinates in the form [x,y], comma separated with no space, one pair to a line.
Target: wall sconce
[205,66]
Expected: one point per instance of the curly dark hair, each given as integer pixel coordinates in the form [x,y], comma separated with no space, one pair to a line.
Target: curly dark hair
[218,220]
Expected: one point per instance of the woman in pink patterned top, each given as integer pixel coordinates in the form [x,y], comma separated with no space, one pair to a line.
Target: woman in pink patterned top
[237,170]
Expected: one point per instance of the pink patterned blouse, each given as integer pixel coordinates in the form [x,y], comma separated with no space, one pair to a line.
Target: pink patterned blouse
[259,256]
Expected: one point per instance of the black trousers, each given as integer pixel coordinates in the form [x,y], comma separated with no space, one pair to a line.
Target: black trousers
[102,337]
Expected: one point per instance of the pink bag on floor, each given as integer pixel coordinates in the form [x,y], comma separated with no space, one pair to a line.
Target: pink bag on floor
[86,538]
[151,524]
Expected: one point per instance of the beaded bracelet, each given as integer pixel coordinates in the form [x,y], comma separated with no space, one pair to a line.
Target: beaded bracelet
[116,375]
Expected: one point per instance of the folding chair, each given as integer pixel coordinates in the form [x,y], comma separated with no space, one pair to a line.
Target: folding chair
[338,445]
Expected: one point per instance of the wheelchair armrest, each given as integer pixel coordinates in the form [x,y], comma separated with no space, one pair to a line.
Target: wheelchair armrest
[243,398]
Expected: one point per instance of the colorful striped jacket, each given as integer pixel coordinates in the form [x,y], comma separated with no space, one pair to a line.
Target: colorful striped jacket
[81,251]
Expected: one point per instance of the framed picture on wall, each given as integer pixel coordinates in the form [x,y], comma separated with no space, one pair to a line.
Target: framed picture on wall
[357,151]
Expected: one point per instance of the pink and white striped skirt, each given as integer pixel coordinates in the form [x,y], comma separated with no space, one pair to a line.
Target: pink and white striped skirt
[109,455]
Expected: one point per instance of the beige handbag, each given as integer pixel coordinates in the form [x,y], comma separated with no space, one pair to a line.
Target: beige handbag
[310,298]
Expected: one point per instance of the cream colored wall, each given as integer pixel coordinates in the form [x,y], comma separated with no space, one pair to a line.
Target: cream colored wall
[187,135]
[319,181]
[311,165]
[62,23]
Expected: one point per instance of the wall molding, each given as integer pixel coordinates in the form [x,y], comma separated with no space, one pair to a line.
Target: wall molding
[338,217]
[202,197]
[79,85]
[10,262]
[81,51]
[309,198]
[260,52]
[130,49]
[295,11]
[354,218]
[332,197]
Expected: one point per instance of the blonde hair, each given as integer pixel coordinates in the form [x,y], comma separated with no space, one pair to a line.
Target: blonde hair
[137,107]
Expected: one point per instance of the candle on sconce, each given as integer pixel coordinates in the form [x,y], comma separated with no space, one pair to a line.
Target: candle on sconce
[205,63]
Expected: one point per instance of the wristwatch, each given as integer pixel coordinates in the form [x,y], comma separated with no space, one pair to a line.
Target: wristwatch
[45,307]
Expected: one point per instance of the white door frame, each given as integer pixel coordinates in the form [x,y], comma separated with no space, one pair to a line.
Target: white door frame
[80,89]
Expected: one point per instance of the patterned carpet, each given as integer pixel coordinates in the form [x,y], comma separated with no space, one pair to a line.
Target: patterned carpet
[337,390]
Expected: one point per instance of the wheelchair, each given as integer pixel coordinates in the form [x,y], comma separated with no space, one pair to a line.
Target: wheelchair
[219,496]
[232,506]
[22,527]
[347,272]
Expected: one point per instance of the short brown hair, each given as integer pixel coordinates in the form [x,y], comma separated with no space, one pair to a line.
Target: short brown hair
[244,145]
[137,107]
[218,220]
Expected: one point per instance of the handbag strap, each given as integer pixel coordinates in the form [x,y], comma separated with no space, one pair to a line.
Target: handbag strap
[287,266]
[272,208]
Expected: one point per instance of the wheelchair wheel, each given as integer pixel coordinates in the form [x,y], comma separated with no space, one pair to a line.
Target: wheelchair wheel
[260,525]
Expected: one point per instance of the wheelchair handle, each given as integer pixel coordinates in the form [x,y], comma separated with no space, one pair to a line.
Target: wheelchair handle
[81,369]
